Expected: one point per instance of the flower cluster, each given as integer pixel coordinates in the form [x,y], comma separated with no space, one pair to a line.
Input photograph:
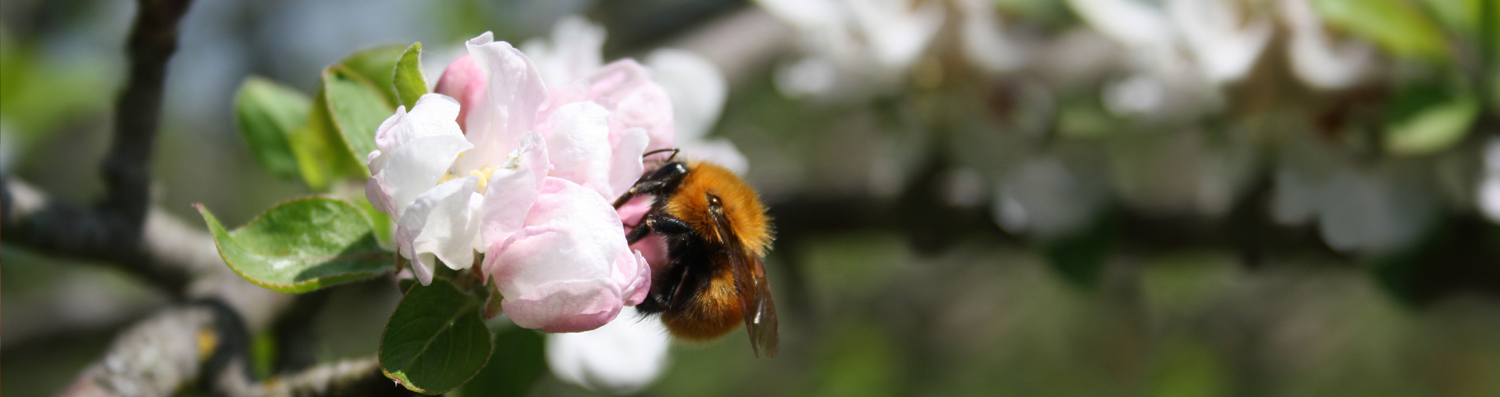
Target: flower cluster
[522,166]
[518,155]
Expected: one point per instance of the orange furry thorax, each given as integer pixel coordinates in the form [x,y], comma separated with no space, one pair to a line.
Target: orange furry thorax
[746,215]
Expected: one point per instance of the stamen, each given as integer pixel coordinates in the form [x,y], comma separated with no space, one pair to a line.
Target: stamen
[484,178]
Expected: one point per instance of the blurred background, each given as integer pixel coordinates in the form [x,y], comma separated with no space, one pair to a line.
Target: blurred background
[972,197]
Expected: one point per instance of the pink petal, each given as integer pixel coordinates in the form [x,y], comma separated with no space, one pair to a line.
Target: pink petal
[653,249]
[625,164]
[562,271]
[612,83]
[578,146]
[633,210]
[512,191]
[564,306]
[635,277]
[648,108]
[514,94]
[463,80]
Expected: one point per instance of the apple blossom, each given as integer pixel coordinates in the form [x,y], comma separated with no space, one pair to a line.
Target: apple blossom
[549,138]
[433,220]
[567,269]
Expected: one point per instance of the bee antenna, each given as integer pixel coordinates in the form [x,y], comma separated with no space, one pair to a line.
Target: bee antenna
[669,158]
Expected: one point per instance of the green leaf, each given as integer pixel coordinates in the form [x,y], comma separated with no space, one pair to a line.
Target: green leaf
[302,245]
[512,372]
[1428,117]
[356,109]
[376,65]
[1079,257]
[382,223]
[322,156]
[436,340]
[409,82]
[1458,15]
[267,115]
[1435,127]
[1395,25]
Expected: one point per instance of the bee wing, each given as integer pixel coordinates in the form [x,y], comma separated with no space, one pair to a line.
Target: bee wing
[754,290]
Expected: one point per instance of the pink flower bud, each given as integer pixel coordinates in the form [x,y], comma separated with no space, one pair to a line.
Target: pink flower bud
[463,81]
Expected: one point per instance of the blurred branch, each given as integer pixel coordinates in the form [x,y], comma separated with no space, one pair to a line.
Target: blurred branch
[165,250]
[138,113]
[360,377]
[152,358]
[116,229]
[740,44]
[205,340]
[1458,259]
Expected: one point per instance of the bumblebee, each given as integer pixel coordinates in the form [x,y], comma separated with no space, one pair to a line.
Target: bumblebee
[716,233]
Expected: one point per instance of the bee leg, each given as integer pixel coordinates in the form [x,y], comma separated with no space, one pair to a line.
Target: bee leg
[638,232]
[663,179]
[642,187]
[668,225]
[677,299]
[658,223]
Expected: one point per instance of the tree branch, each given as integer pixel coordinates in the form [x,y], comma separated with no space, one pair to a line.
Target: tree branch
[359,377]
[138,113]
[164,250]
[153,358]
[114,230]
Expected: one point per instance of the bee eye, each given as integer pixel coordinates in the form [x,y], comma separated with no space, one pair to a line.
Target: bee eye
[714,201]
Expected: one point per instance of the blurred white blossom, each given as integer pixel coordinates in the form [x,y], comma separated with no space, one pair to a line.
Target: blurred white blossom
[1367,210]
[1315,58]
[1224,43]
[697,90]
[1489,187]
[621,357]
[985,42]
[1045,199]
[863,44]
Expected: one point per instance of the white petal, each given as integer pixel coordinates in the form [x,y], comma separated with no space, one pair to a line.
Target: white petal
[417,166]
[1315,58]
[696,87]
[512,191]
[621,357]
[578,146]
[1127,21]
[897,33]
[984,40]
[1225,52]
[626,166]
[575,50]
[515,95]
[1489,187]
[805,14]
[438,224]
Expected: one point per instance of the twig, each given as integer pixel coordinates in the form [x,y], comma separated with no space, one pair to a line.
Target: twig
[361,377]
[153,358]
[164,251]
[138,112]
[114,230]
